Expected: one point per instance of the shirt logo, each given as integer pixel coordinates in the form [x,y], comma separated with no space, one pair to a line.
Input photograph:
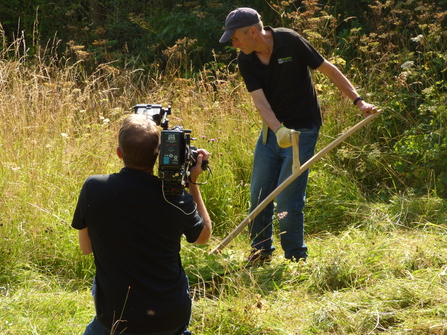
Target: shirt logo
[284,60]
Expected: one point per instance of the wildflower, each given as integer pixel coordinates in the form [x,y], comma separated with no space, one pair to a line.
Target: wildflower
[282,215]
[407,65]
[418,38]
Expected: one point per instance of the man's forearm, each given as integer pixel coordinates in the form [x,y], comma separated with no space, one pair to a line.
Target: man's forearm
[265,109]
[338,79]
[201,209]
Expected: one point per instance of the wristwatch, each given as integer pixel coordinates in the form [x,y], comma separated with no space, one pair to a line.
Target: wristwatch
[357,100]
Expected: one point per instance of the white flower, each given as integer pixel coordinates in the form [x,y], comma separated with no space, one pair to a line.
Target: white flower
[407,65]
[418,38]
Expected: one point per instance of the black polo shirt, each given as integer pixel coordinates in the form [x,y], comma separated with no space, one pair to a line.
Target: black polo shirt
[286,80]
[135,235]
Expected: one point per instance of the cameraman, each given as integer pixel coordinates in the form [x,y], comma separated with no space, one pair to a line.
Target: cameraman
[134,232]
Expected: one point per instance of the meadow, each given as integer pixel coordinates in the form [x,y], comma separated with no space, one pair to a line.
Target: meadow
[376,212]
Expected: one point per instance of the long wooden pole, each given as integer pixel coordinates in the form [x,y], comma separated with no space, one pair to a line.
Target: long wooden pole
[290,179]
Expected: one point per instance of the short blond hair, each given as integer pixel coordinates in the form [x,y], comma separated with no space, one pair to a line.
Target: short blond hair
[138,140]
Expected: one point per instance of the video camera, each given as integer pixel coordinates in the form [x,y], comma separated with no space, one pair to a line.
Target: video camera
[177,155]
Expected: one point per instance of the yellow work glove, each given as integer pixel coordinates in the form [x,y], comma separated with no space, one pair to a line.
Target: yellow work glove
[284,137]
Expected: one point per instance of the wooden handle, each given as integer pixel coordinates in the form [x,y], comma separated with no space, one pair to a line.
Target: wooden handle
[296,151]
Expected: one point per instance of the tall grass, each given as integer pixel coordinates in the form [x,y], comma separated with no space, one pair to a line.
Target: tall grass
[377,258]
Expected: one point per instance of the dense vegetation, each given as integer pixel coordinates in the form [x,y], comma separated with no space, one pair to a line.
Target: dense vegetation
[376,214]
[394,51]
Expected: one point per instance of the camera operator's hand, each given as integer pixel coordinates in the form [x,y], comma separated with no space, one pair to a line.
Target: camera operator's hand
[196,170]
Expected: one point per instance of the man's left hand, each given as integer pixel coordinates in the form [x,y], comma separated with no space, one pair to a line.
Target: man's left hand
[366,108]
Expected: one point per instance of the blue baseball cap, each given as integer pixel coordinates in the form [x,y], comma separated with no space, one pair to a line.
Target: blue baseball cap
[239,18]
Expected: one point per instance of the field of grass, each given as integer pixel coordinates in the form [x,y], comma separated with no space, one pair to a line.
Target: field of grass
[378,256]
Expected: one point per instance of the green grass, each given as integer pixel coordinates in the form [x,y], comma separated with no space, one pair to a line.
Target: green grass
[359,282]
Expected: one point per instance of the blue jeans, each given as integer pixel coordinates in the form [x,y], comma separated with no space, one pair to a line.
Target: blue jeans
[272,165]
[96,328]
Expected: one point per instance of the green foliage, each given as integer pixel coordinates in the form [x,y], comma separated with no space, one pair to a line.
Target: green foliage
[397,57]
[136,31]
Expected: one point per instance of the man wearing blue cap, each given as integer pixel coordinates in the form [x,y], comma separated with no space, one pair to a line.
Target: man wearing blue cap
[275,64]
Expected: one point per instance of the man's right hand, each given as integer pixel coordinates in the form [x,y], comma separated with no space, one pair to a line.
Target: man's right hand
[196,170]
[284,137]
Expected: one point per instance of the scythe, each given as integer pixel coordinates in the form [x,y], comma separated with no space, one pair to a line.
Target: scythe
[290,179]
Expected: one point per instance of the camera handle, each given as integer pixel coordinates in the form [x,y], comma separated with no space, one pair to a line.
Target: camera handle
[164,118]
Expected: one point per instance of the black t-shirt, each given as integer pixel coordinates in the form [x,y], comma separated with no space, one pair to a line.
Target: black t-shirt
[135,235]
[286,80]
